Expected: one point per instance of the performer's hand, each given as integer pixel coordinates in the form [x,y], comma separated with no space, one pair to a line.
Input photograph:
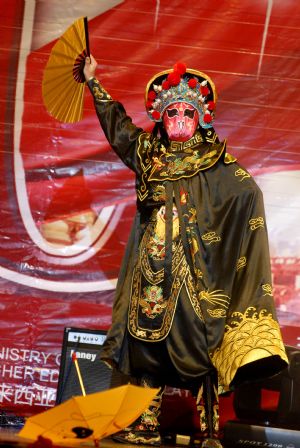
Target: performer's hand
[90,66]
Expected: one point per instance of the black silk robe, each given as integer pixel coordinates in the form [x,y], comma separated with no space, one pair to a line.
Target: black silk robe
[194,292]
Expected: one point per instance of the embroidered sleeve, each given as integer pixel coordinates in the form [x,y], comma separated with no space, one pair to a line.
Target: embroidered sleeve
[252,332]
[98,91]
[117,126]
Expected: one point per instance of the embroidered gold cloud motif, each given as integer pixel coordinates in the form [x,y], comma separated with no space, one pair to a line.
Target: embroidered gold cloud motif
[242,173]
[210,237]
[250,337]
[255,223]
[241,263]
[268,290]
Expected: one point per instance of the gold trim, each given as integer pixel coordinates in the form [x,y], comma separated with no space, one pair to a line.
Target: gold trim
[229,159]
[250,336]
[184,146]
[145,146]
[144,273]
[156,277]
[161,333]
[211,139]
[192,295]
[99,93]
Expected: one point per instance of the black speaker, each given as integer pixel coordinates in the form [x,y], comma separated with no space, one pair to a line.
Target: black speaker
[275,426]
[248,398]
[238,434]
[96,375]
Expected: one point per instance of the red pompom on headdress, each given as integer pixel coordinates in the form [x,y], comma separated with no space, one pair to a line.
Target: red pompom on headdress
[151,95]
[174,78]
[204,90]
[192,83]
[180,68]
[165,85]
[155,115]
[211,105]
[207,118]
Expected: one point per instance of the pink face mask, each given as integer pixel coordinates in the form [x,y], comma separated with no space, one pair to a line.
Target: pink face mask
[180,121]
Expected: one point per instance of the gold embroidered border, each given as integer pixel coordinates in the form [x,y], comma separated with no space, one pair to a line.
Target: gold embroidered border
[143,152]
[229,159]
[188,145]
[159,334]
[250,337]
[156,277]
[100,94]
[192,295]
[211,137]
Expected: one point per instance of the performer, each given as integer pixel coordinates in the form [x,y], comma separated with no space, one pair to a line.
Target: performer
[193,306]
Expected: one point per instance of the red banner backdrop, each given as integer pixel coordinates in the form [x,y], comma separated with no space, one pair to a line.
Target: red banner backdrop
[67,202]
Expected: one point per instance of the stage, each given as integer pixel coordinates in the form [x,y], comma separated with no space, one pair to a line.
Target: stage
[235,434]
[10,438]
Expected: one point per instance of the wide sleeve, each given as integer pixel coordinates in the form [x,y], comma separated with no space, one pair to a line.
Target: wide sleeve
[117,126]
[252,346]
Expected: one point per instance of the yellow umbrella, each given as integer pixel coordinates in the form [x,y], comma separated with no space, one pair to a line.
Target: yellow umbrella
[63,80]
[91,417]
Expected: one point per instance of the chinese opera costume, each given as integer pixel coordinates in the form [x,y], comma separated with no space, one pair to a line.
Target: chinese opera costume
[193,305]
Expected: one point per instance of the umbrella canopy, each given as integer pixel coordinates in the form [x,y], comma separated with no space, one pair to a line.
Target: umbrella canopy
[91,417]
[63,80]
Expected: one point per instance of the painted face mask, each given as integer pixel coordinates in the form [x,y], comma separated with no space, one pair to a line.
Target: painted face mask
[180,121]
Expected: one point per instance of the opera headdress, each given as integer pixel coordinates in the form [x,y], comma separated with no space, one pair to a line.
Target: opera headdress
[181,84]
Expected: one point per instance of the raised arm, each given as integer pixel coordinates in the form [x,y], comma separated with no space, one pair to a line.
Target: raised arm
[118,128]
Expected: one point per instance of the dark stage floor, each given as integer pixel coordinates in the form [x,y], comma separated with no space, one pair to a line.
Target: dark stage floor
[236,434]
[9,438]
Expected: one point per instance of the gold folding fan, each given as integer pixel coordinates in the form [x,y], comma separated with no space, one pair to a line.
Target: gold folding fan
[63,81]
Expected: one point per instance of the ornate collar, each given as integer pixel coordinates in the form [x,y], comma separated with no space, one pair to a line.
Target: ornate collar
[185,146]
[172,166]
